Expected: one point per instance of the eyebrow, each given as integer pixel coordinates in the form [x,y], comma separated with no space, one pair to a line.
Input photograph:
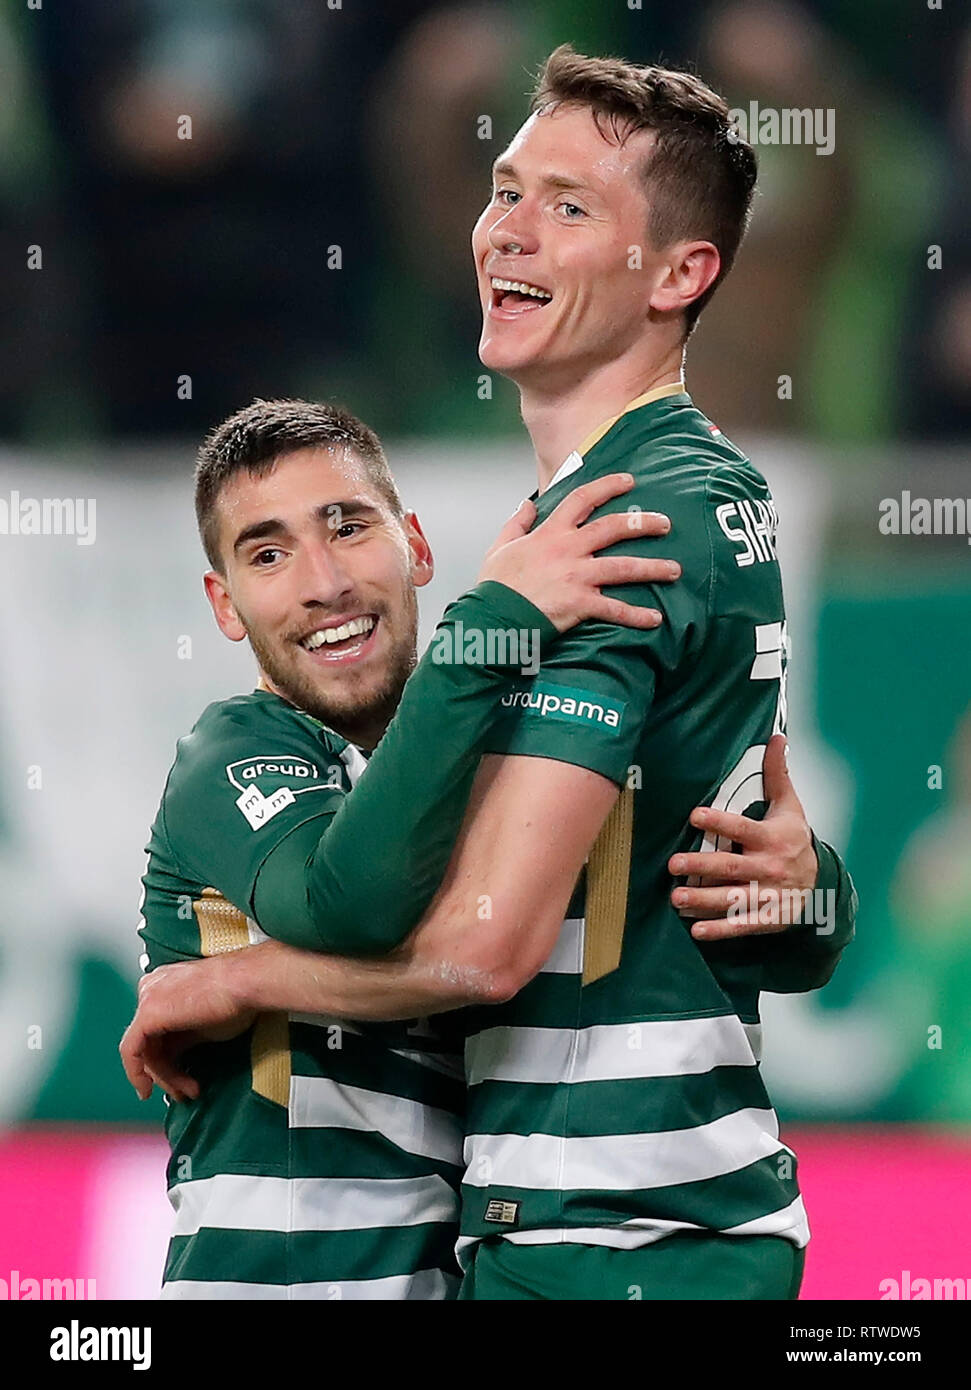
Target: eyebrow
[274,526]
[504,167]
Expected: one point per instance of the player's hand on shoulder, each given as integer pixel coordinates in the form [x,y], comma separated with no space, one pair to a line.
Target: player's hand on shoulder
[557,565]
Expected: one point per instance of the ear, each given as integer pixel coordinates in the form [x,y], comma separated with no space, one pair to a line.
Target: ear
[422,563]
[223,607]
[689,268]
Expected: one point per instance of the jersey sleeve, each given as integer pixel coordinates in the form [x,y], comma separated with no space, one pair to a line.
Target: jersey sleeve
[592,697]
[239,789]
[804,957]
[363,883]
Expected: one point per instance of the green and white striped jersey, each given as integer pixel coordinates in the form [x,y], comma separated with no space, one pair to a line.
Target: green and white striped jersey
[323,1157]
[618,1097]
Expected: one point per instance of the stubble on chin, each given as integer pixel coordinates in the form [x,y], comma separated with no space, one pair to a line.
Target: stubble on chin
[352,699]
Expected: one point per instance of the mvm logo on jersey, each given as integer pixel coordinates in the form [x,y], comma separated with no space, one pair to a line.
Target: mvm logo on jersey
[267,785]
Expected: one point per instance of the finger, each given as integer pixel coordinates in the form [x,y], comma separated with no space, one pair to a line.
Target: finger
[716,867]
[170,1087]
[727,929]
[517,526]
[132,1059]
[605,531]
[608,570]
[161,1062]
[714,902]
[742,830]
[779,791]
[613,610]
[578,504]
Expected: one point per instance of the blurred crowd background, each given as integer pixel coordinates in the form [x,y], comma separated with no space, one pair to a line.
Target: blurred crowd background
[312,238]
[357,127]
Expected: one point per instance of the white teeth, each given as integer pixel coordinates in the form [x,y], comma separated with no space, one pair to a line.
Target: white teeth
[355,628]
[520,287]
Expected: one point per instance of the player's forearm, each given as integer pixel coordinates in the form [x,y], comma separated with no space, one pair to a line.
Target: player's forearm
[273,977]
[376,867]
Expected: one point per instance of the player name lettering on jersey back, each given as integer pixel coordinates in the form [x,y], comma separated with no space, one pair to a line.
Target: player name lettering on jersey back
[754,529]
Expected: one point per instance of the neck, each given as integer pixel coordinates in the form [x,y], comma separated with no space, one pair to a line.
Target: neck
[560,413]
[365,733]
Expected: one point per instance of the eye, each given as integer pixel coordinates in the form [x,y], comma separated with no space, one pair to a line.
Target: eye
[507,196]
[572,211]
[266,557]
[349,527]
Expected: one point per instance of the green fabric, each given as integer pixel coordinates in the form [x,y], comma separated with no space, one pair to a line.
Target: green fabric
[695,1267]
[636,1099]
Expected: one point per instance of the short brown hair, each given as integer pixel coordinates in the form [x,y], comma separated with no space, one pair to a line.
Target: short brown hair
[701,173]
[261,434]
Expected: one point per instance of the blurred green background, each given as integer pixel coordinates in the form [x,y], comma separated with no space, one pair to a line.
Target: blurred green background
[312,239]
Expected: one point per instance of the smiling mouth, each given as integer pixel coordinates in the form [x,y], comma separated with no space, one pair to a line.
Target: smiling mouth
[345,640]
[518,296]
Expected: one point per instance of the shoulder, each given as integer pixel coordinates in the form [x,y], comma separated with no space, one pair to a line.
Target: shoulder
[248,745]
[677,450]
[686,467]
[227,724]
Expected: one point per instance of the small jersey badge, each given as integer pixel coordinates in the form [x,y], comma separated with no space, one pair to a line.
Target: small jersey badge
[502,1212]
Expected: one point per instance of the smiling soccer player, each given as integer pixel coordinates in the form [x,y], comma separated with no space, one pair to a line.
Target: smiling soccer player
[620,1133]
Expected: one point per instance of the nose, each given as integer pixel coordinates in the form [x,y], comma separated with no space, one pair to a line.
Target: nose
[512,234]
[323,577]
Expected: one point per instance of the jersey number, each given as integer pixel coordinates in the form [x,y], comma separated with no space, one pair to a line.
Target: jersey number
[743,785]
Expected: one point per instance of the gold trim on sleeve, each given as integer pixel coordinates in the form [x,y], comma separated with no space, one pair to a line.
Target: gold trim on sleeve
[608,880]
[271,1057]
[222,927]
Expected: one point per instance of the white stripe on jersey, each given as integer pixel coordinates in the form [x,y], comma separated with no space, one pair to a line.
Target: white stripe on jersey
[634,1234]
[243,1201]
[567,959]
[316,1102]
[622,1162]
[608,1051]
[426,1284]
[777,1223]
[567,955]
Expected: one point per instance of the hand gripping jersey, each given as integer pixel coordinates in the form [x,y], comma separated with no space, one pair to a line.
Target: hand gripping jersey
[617,1098]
